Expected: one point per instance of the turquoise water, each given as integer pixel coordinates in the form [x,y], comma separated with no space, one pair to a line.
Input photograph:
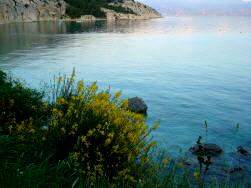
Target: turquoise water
[187,69]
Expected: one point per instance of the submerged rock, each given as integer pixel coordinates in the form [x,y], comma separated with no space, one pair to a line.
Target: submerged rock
[137,105]
[235,169]
[206,149]
[243,151]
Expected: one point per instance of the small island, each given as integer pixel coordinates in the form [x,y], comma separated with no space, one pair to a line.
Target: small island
[78,10]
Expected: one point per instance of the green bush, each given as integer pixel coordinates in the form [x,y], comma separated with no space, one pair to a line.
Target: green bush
[90,127]
[77,8]
[73,12]
[18,105]
[120,9]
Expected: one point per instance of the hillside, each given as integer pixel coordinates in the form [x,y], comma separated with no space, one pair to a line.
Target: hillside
[39,10]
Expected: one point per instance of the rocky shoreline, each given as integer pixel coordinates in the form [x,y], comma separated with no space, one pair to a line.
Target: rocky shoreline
[211,162]
[40,10]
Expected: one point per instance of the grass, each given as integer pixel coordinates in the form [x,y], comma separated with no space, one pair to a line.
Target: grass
[79,136]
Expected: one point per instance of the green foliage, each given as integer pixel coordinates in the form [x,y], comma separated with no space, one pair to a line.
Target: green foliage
[76,8]
[120,9]
[91,128]
[18,104]
[2,77]
[20,171]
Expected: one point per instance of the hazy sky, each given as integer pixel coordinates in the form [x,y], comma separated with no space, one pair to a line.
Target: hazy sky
[217,2]
[231,5]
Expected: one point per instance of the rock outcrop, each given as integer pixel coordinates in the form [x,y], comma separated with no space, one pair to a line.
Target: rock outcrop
[137,105]
[88,18]
[140,11]
[31,10]
[206,149]
[243,151]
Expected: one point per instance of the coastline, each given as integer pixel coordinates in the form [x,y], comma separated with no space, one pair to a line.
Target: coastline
[79,20]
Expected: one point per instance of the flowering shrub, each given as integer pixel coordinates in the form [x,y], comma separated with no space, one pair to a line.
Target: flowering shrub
[91,128]
[95,128]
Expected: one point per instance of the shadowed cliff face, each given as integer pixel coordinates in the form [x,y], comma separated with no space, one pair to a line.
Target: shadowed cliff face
[30,10]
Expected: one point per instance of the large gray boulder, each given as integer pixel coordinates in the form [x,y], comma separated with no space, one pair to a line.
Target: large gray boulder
[206,149]
[137,105]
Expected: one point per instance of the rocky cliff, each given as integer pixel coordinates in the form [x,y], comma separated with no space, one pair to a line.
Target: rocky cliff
[39,10]
[30,10]
[140,11]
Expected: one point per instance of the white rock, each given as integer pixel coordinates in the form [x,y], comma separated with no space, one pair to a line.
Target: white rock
[88,17]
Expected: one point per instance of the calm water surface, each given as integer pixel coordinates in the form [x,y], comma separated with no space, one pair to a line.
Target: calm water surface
[188,69]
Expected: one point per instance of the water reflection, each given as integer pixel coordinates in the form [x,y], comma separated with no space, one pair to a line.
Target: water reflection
[20,36]
[17,36]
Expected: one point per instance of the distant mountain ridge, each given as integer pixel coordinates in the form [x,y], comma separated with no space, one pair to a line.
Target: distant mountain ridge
[39,10]
[201,7]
